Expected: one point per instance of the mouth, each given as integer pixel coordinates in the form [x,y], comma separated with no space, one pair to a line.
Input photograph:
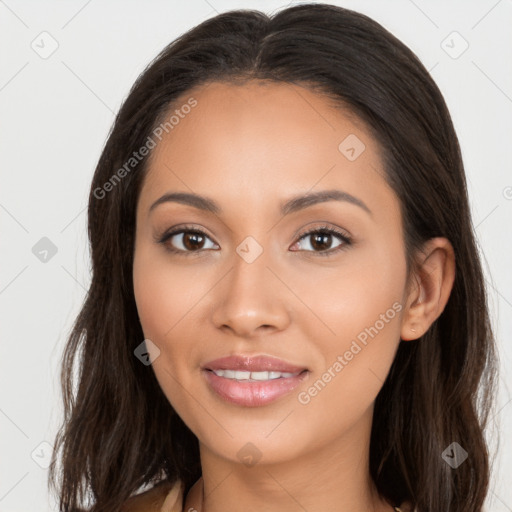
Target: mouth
[242,375]
[252,381]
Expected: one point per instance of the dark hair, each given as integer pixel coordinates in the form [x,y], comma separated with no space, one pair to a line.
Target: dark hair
[120,433]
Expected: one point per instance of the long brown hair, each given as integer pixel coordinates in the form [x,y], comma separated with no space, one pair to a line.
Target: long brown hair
[120,433]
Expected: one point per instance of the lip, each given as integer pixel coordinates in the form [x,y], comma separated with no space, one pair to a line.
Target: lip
[253,364]
[253,393]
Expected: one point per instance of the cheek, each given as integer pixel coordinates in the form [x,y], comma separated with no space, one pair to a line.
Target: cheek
[354,295]
[357,308]
[165,299]
[361,318]
[164,293]
[170,298]
[153,295]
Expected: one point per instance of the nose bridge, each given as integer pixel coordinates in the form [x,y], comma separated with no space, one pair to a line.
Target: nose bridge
[250,297]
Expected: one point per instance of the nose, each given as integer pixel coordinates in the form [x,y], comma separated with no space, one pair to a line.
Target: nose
[251,300]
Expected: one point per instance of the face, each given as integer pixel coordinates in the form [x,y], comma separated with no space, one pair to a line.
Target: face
[303,296]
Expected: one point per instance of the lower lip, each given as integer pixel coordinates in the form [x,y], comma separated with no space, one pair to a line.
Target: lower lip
[252,394]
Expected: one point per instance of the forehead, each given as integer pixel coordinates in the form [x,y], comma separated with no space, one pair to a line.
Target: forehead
[262,139]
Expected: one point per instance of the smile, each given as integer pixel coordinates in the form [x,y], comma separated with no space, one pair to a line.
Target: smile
[252,388]
[253,376]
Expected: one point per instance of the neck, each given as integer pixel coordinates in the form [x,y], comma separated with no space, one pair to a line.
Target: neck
[334,477]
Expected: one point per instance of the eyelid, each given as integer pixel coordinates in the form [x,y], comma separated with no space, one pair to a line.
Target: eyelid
[323,227]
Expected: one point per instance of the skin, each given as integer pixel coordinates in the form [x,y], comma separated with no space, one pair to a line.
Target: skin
[250,147]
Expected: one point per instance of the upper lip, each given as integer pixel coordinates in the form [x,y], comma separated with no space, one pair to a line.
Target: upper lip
[253,364]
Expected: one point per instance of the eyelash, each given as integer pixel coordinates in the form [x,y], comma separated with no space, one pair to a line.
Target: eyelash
[347,240]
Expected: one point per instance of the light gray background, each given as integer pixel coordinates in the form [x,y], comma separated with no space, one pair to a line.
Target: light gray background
[55,116]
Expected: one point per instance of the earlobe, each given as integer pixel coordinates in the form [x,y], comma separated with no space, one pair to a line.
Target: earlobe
[434,277]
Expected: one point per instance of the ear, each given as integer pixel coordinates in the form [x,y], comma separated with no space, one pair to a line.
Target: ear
[429,287]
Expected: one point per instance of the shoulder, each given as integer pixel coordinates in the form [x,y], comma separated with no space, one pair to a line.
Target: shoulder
[153,499]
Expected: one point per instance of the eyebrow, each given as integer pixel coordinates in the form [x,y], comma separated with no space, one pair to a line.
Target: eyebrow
[292,205]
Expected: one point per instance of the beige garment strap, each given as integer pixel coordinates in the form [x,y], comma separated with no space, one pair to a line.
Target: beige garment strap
[174,500]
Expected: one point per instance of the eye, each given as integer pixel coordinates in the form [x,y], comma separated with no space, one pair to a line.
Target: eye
[188,240]
[185,240]
[322,237]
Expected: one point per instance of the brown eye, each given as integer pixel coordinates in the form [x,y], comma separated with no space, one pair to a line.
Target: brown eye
[186,241]
[321,240]
[192,240]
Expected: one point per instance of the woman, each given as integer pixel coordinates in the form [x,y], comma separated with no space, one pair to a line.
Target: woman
[287,308]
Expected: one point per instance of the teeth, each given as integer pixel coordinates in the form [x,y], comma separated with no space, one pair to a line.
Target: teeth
[259,375]
[252,376]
